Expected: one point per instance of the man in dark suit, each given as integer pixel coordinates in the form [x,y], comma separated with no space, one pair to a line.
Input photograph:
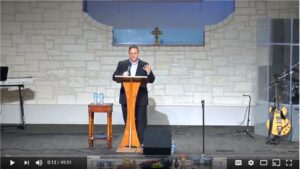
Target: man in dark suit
[135,67]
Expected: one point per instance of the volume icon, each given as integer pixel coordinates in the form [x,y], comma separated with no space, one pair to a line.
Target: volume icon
[39,162]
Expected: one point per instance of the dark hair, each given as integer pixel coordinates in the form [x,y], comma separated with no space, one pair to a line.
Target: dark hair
[133,46]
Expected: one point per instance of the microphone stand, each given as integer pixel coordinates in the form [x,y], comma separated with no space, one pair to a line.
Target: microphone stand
[246,131]
[203,159]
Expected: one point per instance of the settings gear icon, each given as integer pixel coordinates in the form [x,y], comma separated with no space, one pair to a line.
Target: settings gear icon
[250,162]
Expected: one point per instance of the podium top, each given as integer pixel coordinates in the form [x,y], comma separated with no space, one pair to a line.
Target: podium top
[120,79]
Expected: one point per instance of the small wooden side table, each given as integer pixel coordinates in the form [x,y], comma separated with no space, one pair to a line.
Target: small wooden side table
[100,108]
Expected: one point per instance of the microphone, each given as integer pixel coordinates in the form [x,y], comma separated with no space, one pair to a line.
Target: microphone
[128,69]
[202,101]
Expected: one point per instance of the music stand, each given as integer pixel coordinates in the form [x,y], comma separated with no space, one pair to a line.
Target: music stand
[246,131]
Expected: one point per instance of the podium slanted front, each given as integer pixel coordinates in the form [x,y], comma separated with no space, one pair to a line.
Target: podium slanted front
[130,141]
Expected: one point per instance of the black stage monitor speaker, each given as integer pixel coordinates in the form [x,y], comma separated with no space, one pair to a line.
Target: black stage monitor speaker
[157,141]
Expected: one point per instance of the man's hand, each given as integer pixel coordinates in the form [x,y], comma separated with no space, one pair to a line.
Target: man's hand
[126,73]
[147,68]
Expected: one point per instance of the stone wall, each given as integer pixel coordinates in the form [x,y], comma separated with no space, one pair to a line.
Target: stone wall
[71,56]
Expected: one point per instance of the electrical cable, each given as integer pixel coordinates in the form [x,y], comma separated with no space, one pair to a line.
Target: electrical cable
[239,124]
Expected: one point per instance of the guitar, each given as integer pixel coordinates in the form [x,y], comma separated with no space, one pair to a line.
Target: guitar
[278,124]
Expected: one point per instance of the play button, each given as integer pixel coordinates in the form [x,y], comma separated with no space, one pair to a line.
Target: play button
[11,162]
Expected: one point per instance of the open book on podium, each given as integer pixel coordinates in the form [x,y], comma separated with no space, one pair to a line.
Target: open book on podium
[130,141]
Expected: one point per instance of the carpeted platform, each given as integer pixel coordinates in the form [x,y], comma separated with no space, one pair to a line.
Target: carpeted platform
[70,140]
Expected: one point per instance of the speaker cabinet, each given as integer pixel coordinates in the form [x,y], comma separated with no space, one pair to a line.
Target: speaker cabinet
[157,141]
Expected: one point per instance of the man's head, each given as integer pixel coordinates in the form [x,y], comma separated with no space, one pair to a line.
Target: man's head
[133,53]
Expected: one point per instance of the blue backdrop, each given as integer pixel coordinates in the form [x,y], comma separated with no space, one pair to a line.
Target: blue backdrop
[181,22]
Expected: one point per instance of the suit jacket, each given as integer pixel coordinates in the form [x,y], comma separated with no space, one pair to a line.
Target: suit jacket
[142,97]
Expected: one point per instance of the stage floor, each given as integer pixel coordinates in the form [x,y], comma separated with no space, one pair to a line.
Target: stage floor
[72,140]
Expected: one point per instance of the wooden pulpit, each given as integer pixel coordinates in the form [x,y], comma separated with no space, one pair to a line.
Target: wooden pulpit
[130,141]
